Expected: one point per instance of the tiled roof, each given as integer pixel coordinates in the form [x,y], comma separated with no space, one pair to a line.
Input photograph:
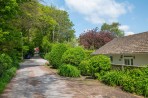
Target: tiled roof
[137,43]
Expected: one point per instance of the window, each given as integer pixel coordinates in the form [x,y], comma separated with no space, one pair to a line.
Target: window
[128,61]
[111,58]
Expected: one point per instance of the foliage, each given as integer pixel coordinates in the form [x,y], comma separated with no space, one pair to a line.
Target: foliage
[136,73]
[6,77]
[69,71]
[114,28]
[7,69]
[56,55]
[88,53]
[73,56]
[113,78]
[133,80]
[93,39]
[5,63]
[84,67]
[43,24]
[47,56]
[24,25]
[99,63]
[46,45]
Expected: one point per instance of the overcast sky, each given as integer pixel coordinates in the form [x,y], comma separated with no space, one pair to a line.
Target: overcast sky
[88,14]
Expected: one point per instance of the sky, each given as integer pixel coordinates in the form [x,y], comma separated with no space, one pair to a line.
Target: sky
[88,14]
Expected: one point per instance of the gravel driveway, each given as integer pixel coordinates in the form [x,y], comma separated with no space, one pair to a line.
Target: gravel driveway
[36,81]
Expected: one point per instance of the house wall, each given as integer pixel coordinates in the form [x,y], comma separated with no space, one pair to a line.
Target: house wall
[117,60]
[138,59]
[141,59]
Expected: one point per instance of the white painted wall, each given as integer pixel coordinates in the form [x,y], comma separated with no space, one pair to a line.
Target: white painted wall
[117,60]
[140,59]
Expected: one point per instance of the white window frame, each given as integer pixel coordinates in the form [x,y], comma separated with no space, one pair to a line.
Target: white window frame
[128,61]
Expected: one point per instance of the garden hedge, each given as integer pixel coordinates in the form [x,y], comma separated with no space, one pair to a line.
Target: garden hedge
[73,56]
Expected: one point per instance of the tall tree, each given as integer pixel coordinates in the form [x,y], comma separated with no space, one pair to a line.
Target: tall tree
[113,28]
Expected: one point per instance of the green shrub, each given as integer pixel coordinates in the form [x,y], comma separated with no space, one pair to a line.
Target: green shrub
[6,77]
[113,78]
[88,53]
[129,85]
[2,86]
[11,72]
[136,73]
[47,56]
[56,55]
[145,87]
[98,76]
[84,67]
[69,71]
[99,63]
[5,63]
[73,56]
[145,71]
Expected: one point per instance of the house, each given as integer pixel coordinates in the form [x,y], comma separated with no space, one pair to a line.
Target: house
[127,50]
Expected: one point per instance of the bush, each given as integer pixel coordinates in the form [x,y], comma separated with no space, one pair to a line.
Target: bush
[5,63]
[113,78]
[56,55]
[145,71]
[6,77]
[129,85]
[16,57]
[73,56]
[69,71]
[7,69]
[99,63]
[11,72]
[2,86]
[84,67]
[98,76]
[136,73]
[88,53]
[47,56]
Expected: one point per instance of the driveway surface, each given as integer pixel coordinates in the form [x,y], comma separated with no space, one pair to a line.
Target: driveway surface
[33,80]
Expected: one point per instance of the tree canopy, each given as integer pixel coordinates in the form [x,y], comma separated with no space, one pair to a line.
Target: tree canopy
[114,28]
[94,39]
[26,24]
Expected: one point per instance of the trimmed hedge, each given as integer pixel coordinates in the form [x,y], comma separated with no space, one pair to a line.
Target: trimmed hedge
[73,56]
[69,71]
[84,67]
[99,63]
[88,53]
[56,54]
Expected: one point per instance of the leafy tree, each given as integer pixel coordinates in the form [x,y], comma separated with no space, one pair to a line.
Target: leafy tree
[114,28]
[46,45]
[94,39]
[37,21]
